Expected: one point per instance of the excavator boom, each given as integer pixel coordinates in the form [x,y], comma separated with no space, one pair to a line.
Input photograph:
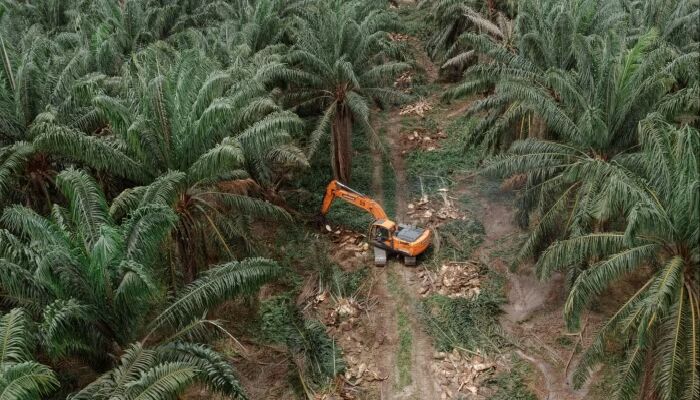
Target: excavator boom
[336,189]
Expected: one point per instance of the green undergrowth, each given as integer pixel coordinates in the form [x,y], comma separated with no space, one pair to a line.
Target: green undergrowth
[403,358]
[282,323]
[450,157]
[512,385]
[388,174]
[403,305]
[468,324]
[428,171]
[458,240]
[347,283]
[314,358]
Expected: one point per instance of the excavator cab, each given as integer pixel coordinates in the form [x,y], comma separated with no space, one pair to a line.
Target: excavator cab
[381,236]
[382,232]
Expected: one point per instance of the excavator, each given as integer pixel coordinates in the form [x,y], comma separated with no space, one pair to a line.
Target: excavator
[385,235]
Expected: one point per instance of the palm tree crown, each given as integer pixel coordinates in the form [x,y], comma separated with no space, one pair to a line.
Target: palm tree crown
[662,243]
[96,284]
[338,66]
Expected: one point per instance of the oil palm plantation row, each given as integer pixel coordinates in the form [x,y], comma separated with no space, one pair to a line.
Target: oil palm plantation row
[594,111]
[140,141]
[93,285]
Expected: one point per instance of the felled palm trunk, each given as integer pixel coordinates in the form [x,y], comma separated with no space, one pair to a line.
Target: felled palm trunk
[341,144]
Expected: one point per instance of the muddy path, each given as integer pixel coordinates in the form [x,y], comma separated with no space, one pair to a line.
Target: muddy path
[408,354]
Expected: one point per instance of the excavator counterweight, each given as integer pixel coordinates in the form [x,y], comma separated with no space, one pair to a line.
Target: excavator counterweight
[385,235]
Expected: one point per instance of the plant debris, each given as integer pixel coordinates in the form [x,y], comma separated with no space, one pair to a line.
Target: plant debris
[419,108]
[427,212]
[454,279]
[398,37]
[344,315]
[421,139]
[351,249]
[404,81]
[460,375]
[346,323]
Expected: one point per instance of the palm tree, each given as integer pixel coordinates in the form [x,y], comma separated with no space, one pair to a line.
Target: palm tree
[456,21]
[501,31]
[41,81]
[452,19]
[549,35]
[340,63]
[676,21]
[186,128]
[593,111]
[97,286]
[53,16]
[660,323]
[21,378]
[257,26]
[115,31]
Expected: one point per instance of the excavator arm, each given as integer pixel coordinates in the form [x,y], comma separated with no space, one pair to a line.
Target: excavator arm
[336,189]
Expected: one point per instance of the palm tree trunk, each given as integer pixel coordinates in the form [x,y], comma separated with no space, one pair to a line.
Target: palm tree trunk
[185,254]
[341,143]
[538,128]
[491,7]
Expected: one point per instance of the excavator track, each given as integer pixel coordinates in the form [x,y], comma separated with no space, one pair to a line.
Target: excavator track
[380,256]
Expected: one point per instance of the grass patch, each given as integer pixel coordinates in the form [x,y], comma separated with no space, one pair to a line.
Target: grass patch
[458,239]
[388,175]
[425,89]
[281,322]
[403,358]
[512,384]
[469,324]
[452,156]
[564,341]
[347,283]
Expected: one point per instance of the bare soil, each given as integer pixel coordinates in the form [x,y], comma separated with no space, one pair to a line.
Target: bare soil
[533,316]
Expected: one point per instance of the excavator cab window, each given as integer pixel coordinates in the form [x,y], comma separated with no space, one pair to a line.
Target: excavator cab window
[381,234]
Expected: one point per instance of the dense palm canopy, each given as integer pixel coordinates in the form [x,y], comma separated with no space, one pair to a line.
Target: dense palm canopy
[550,37]
[41,81]
[97,286]
[169,109]
[662,241]
[593,113]
[457,20]
[183,127]
[21,377]
[595,110]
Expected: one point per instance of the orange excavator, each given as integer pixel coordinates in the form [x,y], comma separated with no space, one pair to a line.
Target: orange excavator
[385,235]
